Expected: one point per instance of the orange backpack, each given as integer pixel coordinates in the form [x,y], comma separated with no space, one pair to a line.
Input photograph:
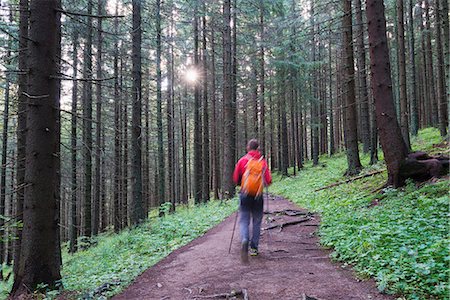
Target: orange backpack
[252,179]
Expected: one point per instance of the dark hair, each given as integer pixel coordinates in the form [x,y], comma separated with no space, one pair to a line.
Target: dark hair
[253,144]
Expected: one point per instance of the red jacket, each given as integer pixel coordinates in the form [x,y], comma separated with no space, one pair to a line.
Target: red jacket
[242,163]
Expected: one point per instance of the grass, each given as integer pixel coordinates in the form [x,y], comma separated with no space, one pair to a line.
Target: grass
[402,242]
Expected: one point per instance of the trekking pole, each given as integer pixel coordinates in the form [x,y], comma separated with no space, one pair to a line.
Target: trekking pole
[268,213]
[234,227]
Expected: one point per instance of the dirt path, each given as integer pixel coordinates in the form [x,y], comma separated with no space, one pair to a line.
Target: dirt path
[290,266]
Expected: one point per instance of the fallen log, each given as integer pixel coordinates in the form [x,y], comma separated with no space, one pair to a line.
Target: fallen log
[350,180]
[285,224]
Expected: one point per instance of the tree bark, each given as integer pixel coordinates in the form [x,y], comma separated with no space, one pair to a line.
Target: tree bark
[117,132]
[214,128]
[262,71]
[229,106]
[441,87]
[350,126]
[21,125]
[404,122]
[87,126]
[426,102]
[170,123]
[98,129]
[315,100]
[198,169]
[412,57]
[446,30]
[393,145]
[39,263]
[185,169]
[362,74]
[430,66]
[73,232]
[137,213]
[205,123]
[161,182]
[5,149]
[124,211]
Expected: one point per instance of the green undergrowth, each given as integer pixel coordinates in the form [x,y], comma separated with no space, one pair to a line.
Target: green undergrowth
[107,268]
[400,237]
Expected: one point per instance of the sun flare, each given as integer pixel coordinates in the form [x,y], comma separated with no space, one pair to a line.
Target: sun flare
[191,75]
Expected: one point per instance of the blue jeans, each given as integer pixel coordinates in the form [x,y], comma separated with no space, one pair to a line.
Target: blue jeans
[250,207]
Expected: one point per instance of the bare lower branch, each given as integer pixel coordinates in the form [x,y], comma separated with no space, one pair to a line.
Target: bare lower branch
[88,15]
[81,79]
[35,96]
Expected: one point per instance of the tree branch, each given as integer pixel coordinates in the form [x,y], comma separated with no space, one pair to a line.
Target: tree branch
[87,15]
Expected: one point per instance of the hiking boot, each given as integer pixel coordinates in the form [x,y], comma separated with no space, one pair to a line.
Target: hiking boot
[253,251]
[244,252]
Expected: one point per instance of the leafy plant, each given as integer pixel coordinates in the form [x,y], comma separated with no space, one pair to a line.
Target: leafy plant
[399,237]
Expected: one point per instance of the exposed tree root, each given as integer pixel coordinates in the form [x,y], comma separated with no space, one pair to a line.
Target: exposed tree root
[420,166]
[285,224]
[233,294]
[287,212]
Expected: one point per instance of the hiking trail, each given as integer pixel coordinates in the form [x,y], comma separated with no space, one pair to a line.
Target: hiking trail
[291,265]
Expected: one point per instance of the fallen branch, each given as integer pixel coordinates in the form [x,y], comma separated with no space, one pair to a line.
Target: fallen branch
[232,294]
[287,224]
[288,212]
[350,180]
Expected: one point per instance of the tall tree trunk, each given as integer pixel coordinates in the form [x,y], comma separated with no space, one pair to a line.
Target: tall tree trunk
[430,66]
[363,90]
[147,195]
[331,103]
[21,126]
[5,149]
[404,123]
[392,142]
[441,87]
[262,71]
[229,106]
[214,121]
[170,123]
[412,56]
[205,150]
[161,174]
[198,169]
[272,128]
[426,102]
[124,155]
[137,209]
[350,131]
[11,214]
[185,169]
[38,262]
[446,30]
[87,126]
[117,131]
[74,185]
[98,129]
[315,100]
[284,147]
[234,72]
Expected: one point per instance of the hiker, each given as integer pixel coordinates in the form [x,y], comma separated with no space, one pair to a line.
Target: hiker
[252,174]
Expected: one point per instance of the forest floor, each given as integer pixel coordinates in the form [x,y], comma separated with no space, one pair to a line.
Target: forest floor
[291,265]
